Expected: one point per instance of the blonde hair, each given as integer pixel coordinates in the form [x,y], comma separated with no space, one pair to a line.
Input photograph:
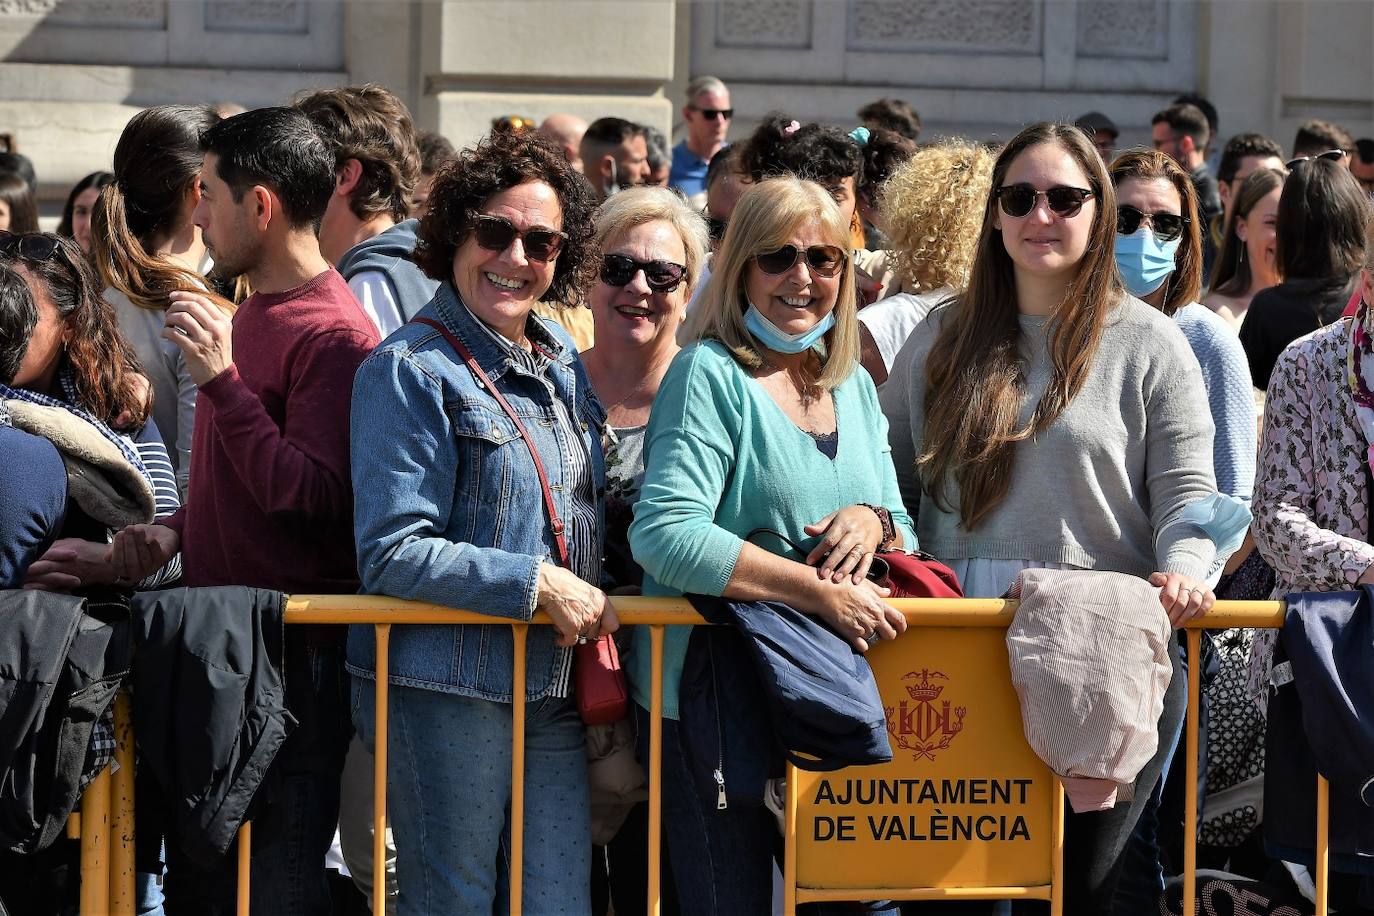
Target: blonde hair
[932,207]
[766,217]
[646,204]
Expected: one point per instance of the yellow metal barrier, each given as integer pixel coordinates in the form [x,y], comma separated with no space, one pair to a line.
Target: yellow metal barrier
[107,890]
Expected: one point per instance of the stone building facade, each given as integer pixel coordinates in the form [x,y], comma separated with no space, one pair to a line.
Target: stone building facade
[73,71]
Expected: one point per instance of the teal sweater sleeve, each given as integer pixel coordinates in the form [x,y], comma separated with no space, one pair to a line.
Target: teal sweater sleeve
[688,457]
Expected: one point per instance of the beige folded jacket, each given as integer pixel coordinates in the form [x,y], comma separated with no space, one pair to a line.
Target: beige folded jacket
[99,478]
[1089,655]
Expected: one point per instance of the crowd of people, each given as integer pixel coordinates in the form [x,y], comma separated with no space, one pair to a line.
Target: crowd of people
[315,350]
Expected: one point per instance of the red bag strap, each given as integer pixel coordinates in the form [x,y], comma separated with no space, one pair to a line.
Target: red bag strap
[559,538]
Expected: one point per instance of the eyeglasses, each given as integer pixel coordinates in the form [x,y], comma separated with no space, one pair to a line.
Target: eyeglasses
[1020,199]
[1335,155]
[1165,226]
[33,246]
[495,233]
[824,260]
[715,227]
[711,114]
[662,276]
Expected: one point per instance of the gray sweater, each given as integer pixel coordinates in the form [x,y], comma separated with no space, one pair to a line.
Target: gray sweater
[1103,486]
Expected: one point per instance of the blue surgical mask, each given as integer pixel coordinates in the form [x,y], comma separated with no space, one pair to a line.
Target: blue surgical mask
[1144,261]
[768,334]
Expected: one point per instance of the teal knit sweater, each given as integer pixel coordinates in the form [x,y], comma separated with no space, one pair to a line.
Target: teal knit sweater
[722,459]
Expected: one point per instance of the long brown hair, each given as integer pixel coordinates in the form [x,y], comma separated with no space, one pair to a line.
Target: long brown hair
[1231,272]
[156,162]
[104,368]
[1146,165]
[975,379]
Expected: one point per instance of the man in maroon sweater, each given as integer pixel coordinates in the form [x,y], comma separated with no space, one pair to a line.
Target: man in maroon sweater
[270,501]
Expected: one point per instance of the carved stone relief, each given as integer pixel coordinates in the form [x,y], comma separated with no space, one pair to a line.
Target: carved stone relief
[1123,28]
[763,24]
[119,13]
[945,25]
[286,16]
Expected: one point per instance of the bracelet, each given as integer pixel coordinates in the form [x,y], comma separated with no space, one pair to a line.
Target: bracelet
[884,519]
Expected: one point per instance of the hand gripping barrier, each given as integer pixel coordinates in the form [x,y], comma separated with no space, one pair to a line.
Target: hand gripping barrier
[105,823]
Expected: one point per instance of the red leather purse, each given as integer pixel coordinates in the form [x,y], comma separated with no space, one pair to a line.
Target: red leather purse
[914,575]
[599,683]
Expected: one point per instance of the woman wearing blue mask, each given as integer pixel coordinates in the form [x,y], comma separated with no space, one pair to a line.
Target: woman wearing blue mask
[1159,255]
[764,421]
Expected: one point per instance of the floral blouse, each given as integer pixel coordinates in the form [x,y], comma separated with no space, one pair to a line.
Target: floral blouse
[1311,503]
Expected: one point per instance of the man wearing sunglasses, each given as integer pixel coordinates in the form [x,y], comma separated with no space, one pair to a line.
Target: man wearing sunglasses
[707,115]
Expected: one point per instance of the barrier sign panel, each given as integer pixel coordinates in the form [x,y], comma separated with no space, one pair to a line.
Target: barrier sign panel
[964,803]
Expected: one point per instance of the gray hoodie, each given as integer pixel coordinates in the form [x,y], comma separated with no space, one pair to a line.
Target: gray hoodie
[389,253]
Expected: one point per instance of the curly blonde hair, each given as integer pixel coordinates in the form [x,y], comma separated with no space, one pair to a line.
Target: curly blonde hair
[932,210]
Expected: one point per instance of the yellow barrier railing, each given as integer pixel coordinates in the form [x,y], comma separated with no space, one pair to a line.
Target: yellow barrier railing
[106,830]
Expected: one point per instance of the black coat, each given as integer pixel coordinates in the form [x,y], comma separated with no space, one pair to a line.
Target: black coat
[209,705]
[62,660]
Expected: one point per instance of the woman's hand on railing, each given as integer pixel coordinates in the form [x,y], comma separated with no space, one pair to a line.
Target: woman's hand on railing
[859,612]
[576,608]
[1183,597]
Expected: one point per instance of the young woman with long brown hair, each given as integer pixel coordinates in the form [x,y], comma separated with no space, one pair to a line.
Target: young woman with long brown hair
[145,246]
[1045,418]
[1246,262]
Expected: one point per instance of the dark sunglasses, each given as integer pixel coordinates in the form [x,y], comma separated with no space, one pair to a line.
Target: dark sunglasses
[662,276]
[711,114]
[1165,226]
[1019,199]
[33,246]
[1335,155]
[495,233]
[715,227]
[824,260]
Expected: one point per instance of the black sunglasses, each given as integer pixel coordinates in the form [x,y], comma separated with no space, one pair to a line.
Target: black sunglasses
[1019,199]
[715,227]
[495,233]
[824,260]
[33,246]
[1335,155]
[662,276]
[711,114]
[1165,226]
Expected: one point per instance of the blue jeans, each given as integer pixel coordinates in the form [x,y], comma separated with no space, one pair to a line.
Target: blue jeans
[293,831]
[722,860]
[448,798]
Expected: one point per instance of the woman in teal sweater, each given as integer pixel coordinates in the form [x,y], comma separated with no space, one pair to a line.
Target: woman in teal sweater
[763,422]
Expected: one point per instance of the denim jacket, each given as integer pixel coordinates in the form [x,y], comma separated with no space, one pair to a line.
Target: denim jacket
[448,507]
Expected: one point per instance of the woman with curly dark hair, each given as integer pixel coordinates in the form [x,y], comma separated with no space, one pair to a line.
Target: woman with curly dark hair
[461,504]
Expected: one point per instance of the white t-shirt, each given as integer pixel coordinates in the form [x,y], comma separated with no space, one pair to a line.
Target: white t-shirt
[375,294]
[892,320]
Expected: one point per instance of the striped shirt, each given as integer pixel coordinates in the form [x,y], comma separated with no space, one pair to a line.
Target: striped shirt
[153,452]
[580,527]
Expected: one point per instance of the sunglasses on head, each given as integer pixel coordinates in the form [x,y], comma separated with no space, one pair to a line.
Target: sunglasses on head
[823,260]
[662,276]
[495,233]
[1165,226]
[1020,199]
[711,114]
[33,246]
[1335,155]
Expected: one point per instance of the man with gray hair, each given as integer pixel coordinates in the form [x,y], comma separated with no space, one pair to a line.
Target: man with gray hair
[708,115]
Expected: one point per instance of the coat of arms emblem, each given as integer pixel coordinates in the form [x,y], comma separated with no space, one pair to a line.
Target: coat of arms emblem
[925,723]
